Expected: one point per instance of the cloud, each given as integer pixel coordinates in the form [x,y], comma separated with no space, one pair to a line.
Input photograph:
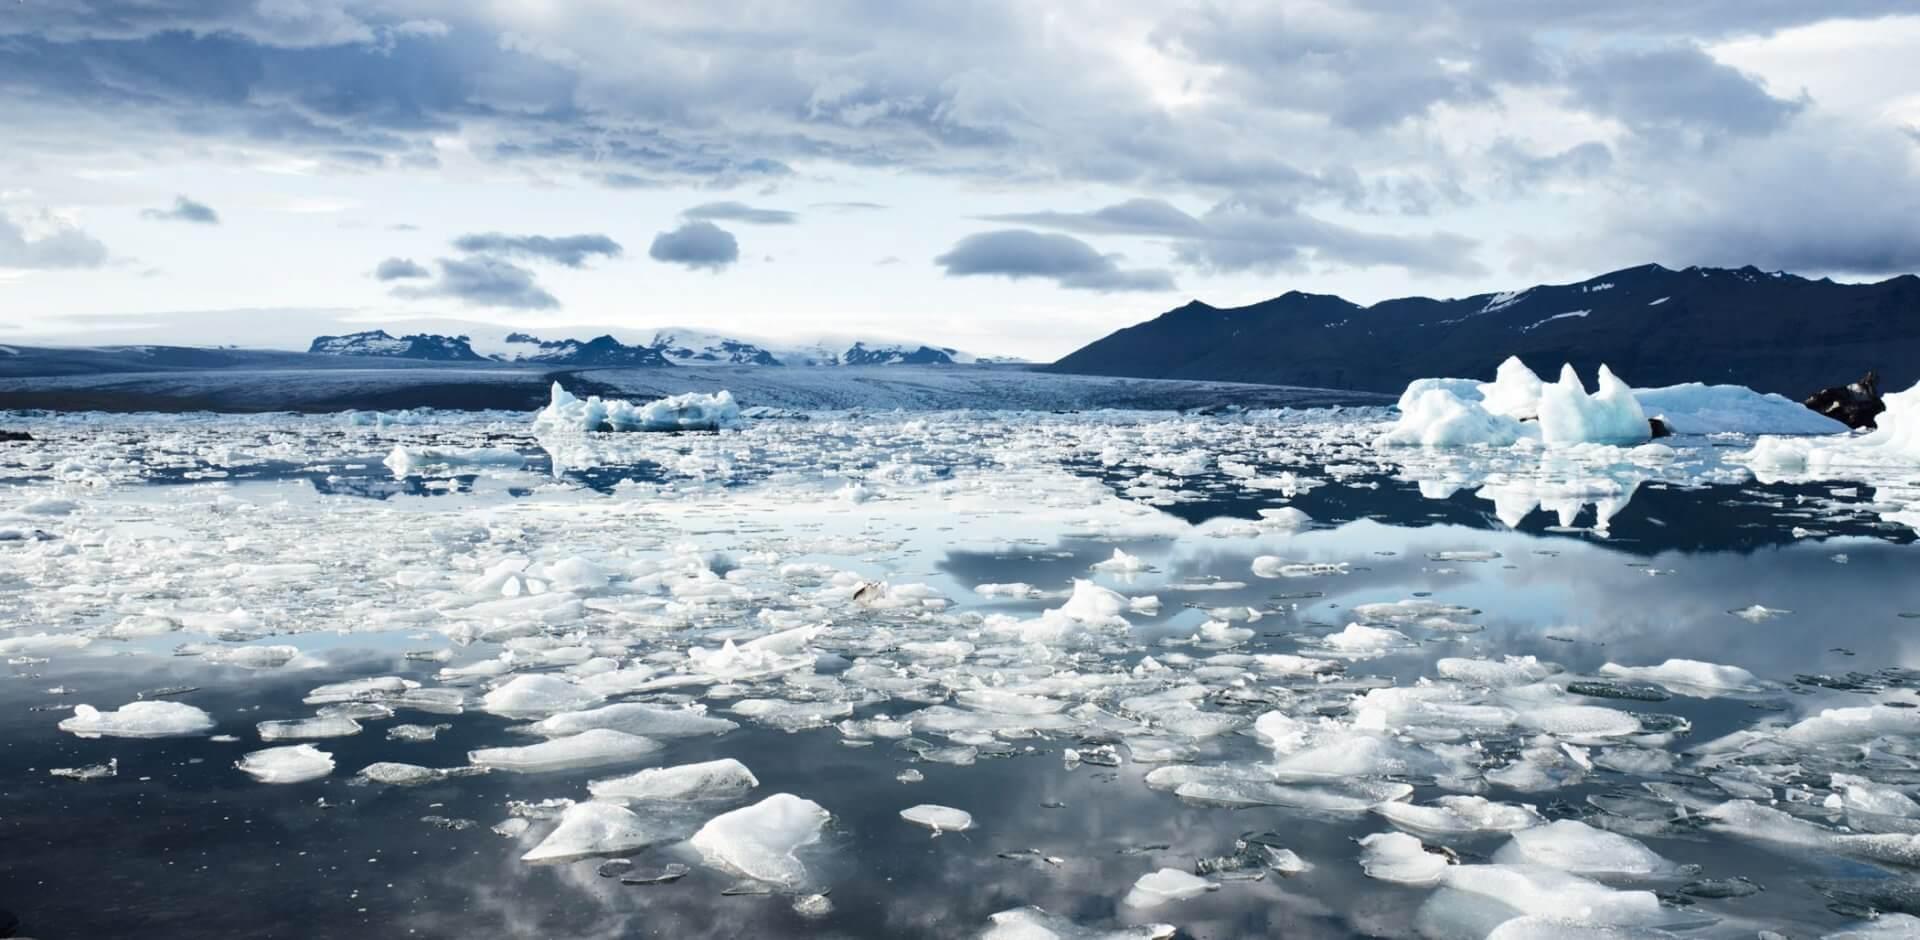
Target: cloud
[571,250]
[1133,217]
[483,281]
[696,245]
[1246,235]
[44,241]
[184,210]
[397,269]
[1063,259]
[1678,89]
[848,206]
[740,212]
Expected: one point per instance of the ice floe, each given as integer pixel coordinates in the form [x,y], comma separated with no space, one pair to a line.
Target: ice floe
[158,719]
[293,763]
[760,841]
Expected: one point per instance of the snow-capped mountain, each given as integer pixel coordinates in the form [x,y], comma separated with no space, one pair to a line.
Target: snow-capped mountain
[674,346]
[413,346]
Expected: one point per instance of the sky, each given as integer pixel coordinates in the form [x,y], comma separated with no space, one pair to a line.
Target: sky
[1009,178]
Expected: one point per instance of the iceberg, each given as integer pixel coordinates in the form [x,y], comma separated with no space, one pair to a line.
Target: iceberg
[1398,857]
[294,763]
[1438,417]
[591,748]
[589,829]
[1611,415]
[692,411]
[158,719]
[1694,408]
[654,721]
[723,779]
[1895,444]
[759,841]
[938,818]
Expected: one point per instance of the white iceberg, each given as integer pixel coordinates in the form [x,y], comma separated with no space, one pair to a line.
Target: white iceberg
[589,829]
[526,696]
[692,411]
[1167,884]
[1694,408]
[138,720]
[1398,857]
[1574,846]
[723,779]
[759,841]
[294,763]
[1611,415]
[654,721]
[592,748]
[1894,445]
[938,818]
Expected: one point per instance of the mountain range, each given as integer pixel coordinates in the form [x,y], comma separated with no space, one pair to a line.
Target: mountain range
[1652,325]
[669,347]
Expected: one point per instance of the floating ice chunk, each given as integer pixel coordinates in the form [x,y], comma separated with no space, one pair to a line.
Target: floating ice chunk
[404,462]
[1611,415]
[42,644]
[1514,392]
[253,657]
[938,818]
[298,728]
[1032,923]
[1464,389]
[1398,857]
[591,828]
[1859,795]
[359,690]
[1009,703]
[1121,563]
[1450,814]
[1512,671]
[394,773]
[1360,641]
[158,719]
[1688,677]
[1852,725]
[1580,722]
[1167,884]
[1093,604]
[759,841]
[592,748]
[1753,821]
[527,696]
[1758,613]
[294,763]
[791,716]
[1694,408]
[1574,846]
[689,412]
[1440,418]
[1520,890]
[654,721]
[723,779]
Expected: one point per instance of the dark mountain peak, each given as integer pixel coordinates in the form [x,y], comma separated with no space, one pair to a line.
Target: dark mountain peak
[1769,330]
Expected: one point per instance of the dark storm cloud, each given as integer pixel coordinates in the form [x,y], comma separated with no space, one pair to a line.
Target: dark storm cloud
[54,244]
[483,282]
[1679,88]
[696,245]
[399,269]
[1062,259]
[741,212]
[571,250]
[184,210]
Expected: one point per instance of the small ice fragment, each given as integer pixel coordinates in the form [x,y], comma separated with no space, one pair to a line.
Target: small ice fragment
[415,732]
[1121,563]
[938,818]
[294,763]
[592,828]
[670,872]
[759,841]
[298,728]
[1167,884]
[1398,857]
[150,719]
[90,772]
[723,779]
[397,774]
[1758,613]
[1689,677]
[1459,814]
[586,749]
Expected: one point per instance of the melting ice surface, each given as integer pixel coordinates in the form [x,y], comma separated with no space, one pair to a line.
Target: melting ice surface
[1145,674]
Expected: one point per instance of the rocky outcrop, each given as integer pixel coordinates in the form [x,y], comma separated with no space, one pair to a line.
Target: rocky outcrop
[1854,405]
[8,437]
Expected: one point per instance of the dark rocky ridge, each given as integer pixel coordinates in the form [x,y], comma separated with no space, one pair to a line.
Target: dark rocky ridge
[1653,325]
